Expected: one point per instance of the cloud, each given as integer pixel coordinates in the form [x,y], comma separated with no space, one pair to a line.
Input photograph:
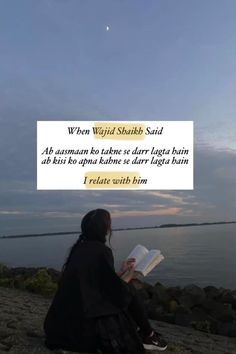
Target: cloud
[180,200]
[138,213]
[12,212]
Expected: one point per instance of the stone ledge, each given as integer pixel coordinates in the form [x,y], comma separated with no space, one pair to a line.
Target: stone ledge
[21,332]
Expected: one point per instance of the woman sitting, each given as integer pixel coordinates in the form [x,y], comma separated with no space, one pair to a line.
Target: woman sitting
[96,309]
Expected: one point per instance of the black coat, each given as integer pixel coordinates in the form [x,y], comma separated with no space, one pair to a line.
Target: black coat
[89,288]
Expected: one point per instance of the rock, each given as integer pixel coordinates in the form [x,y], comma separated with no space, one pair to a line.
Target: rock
[143,294]
[158,313]
[172,306]
[212,292]
[158,284]
[204,326]
[221,312]
[4,347]
[13,339]
[55,274]
[37,347]
[198,314]
[155,303]
[166,317]
[164,304]
[203,322]
[3,270]
[187,301]
[234,302]
[151,291]
[175,292]
[5,332]
[226,329]
[183,316]
[154,314]
[154,311]
[12,324]
[195,293]
[160,295]
[227,297]
[23,272]
[8,282]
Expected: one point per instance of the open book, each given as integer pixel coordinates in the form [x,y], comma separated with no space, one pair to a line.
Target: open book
[145,260]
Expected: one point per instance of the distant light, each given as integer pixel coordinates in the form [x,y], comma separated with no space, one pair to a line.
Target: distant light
[107,28]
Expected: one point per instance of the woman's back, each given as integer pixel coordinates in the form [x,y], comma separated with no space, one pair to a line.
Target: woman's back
[89,288]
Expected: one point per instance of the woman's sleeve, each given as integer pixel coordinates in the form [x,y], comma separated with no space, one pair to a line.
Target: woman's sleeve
[113,286]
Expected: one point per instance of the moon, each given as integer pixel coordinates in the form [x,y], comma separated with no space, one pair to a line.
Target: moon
[107,28]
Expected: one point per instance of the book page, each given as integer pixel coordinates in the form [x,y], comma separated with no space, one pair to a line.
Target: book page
[152,265]
[139,252]
[149,261]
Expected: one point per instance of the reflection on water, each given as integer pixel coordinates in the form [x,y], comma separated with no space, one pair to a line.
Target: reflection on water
[204,255]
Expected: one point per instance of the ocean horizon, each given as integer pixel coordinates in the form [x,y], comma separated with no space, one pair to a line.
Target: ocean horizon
[198,254]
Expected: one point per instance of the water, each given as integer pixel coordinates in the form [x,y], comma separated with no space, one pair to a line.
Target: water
[203,255]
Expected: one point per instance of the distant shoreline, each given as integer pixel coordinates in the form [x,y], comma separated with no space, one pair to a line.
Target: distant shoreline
[119,229]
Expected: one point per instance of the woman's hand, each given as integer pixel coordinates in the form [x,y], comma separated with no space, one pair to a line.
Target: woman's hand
[130,274]
[126,266]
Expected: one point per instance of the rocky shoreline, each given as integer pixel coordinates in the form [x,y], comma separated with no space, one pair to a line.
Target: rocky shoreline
[21,329]
[208,309]
[187,316]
